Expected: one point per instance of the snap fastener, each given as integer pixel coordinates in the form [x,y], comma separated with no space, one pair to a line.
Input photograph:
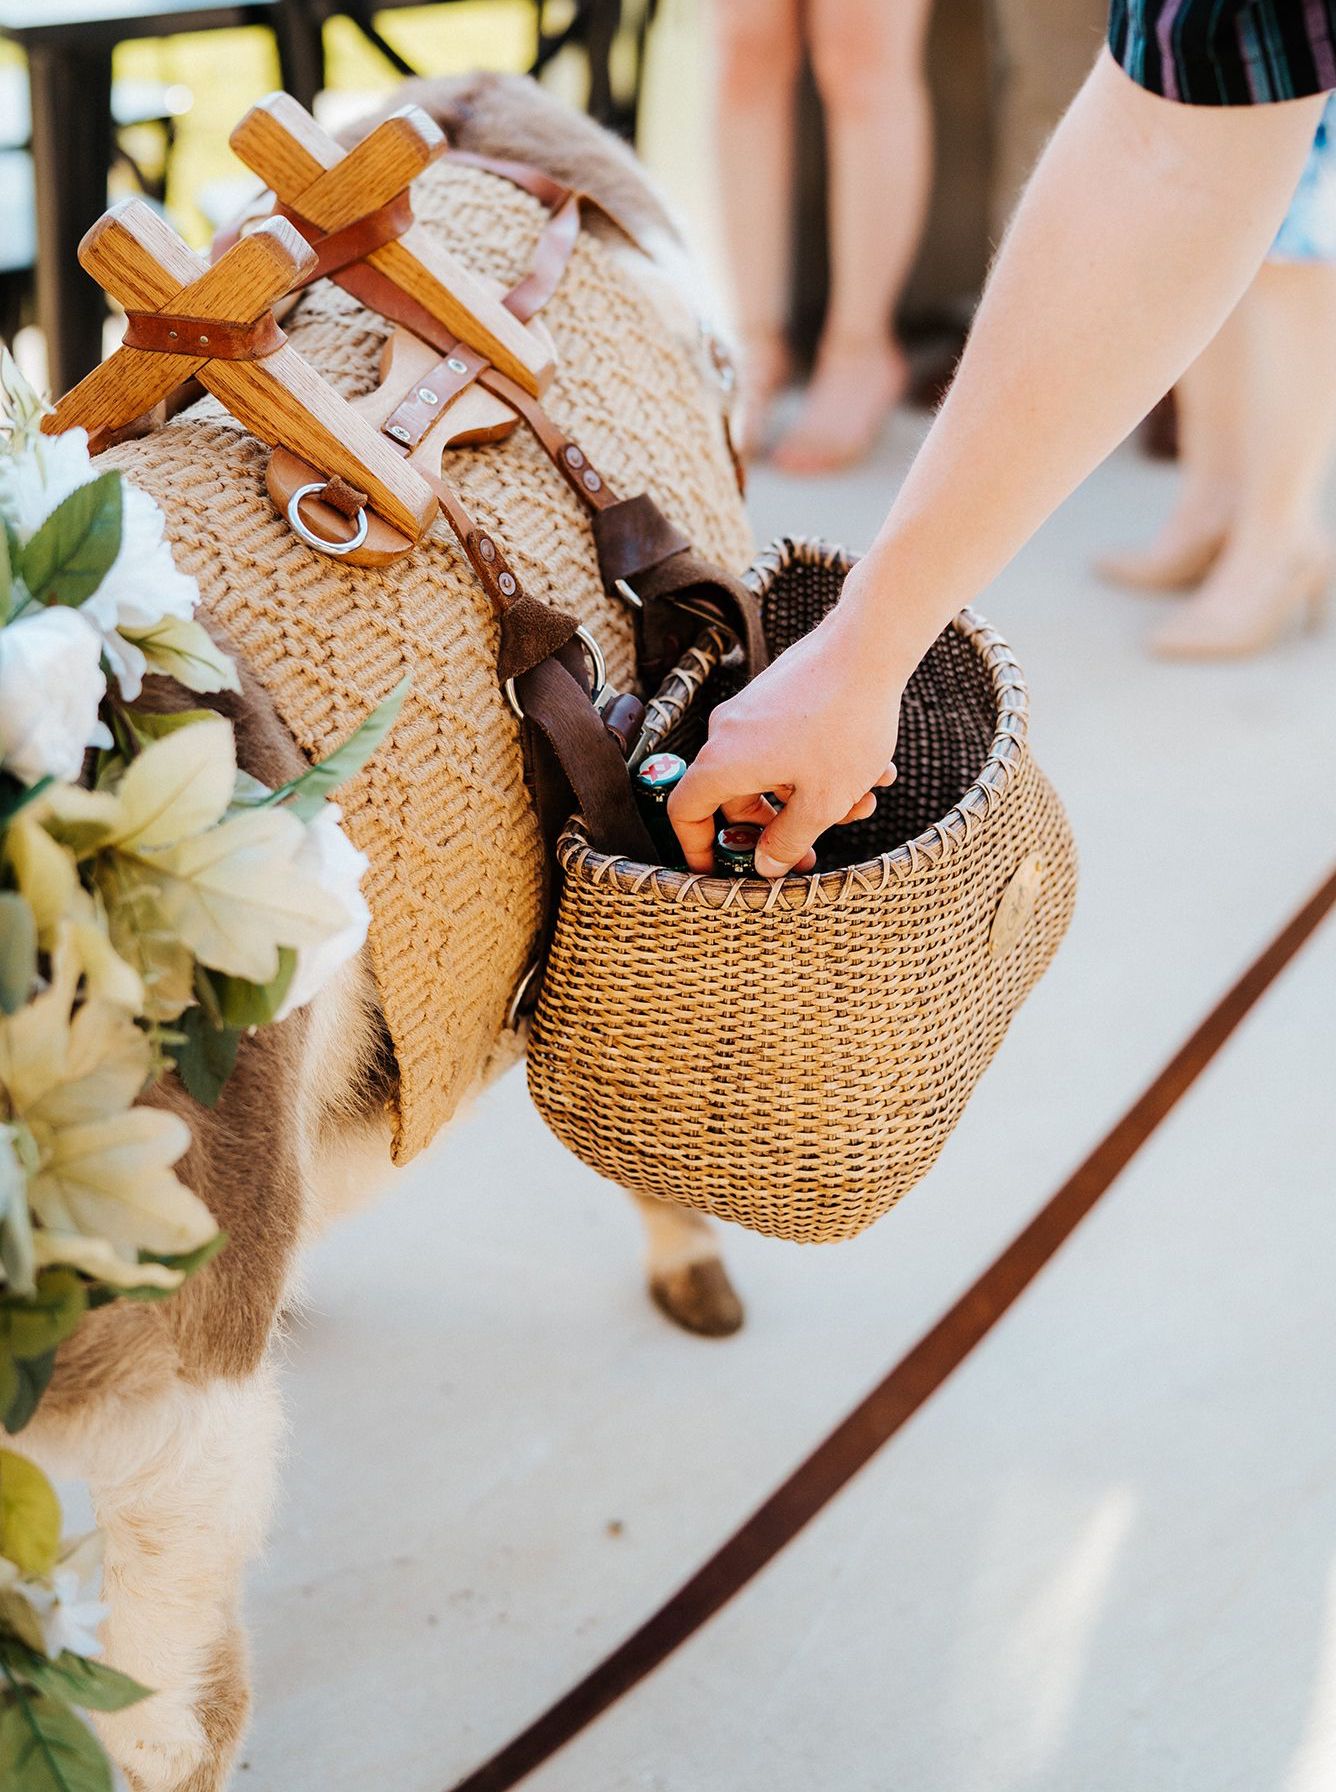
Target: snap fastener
[487,547]
[574,458]
[427,396]
[508,583]
[590,480]
[398,431]
[456,365]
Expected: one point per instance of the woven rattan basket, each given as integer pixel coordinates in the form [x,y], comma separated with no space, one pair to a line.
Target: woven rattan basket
[794,1055]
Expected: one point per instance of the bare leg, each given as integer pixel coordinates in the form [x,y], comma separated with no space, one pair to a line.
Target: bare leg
[1275,566]
[687,1278]
[1212,424]
[868,59]
[757,45]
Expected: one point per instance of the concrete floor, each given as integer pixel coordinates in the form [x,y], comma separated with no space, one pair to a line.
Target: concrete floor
[1102,1560]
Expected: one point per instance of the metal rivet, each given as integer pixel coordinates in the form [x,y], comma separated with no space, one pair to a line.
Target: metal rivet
[456,365]
[590,480]
[427,396]
[487,547]
[172,335]
[203,341]
[506,580]
[574,458]
[398,431]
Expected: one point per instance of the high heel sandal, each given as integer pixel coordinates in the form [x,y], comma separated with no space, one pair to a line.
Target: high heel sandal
[1206,630]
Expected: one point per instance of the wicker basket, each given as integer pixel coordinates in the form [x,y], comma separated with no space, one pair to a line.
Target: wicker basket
[793,1055]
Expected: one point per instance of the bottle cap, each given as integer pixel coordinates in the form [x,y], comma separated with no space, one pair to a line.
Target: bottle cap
[661,771]
[735,848]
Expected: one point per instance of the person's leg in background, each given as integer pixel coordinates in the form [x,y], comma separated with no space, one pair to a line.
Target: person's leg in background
[867,56]
[757,50]
[1276,564]
[1213,422]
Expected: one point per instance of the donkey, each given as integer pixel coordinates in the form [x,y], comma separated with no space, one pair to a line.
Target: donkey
[171,1411]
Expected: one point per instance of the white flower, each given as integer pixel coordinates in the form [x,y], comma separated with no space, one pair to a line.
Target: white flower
[17,1265]
[141,589]
[328,857]
[50,686]
[63,1610]
[43,475]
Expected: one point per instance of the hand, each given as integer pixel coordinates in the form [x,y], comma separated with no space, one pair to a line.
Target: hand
[817,729]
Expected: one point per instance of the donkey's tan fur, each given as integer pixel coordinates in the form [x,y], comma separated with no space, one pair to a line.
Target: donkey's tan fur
[170,1411]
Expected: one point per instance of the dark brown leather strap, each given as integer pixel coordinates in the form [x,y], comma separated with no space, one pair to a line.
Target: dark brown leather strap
[338,249]
[177,333]
[576,764]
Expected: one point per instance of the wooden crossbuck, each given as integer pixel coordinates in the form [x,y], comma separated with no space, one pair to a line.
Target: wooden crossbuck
[221,315]
[329,191]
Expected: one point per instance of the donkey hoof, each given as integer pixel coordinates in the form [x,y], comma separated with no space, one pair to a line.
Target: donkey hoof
[700,1298]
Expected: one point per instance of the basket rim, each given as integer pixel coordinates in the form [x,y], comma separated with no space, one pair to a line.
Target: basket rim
[820,889]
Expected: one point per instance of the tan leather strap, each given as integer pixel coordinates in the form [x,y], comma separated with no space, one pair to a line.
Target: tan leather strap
[339,249]
[410,421]
[566,455]
[553,251]
[177,333]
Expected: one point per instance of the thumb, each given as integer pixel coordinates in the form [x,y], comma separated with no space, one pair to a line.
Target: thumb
[787,841]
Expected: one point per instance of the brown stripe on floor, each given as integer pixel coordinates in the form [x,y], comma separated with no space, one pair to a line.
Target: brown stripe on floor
[905,1388]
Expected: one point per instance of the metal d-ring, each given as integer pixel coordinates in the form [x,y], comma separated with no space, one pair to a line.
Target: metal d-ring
[596,660]
[309,536]
[624,591]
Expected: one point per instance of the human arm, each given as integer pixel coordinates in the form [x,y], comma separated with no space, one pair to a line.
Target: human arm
[1143,224]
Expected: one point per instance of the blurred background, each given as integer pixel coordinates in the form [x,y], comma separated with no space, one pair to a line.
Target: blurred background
[1104,1558]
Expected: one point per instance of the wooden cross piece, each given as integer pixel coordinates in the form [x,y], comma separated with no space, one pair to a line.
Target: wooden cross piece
[144,265]
[331,189]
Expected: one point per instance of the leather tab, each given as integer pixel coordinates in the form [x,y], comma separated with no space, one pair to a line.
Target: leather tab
[422,409]
[530,631]
[175,333]
[633,535]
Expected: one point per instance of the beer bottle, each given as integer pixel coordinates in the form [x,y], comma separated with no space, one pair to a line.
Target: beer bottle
[654,782]
[735,850]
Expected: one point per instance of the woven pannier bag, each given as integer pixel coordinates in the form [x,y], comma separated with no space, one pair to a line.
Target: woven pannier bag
[793,1055]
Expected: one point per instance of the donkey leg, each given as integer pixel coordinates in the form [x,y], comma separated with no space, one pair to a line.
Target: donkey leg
[687,1279]
[182,1494]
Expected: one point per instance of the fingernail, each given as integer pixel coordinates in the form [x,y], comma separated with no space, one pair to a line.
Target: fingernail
[768,867]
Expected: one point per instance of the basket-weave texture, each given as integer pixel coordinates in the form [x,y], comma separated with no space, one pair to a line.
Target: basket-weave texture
[456,870]
[793,1055]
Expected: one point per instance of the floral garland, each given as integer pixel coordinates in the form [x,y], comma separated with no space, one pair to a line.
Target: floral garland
[155,904]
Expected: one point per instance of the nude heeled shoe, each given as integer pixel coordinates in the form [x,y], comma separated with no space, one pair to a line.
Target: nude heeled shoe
[1162,574]
[1206,630]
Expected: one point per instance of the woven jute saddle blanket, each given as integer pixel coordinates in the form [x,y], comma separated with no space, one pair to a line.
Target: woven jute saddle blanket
[457,874]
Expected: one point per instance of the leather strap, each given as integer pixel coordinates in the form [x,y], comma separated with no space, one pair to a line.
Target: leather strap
[178,333]
[447,379]
[339,249]
[572,761]
[566,455]
[553,251]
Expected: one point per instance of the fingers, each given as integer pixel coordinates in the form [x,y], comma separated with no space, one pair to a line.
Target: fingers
[865,806]
[887,777]
[691,810]
[756,809]
[786,844]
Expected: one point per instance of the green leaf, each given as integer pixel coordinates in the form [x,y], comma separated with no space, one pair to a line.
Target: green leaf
[305,794]
[241,1004]
[32,1325]
[205,1056]
[18,951]
[29,1382]
[15,796]
[89,1684]
[187,1262]
[70,555]
[29,1516]
[45,1748]
[149,726]
[6,577]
